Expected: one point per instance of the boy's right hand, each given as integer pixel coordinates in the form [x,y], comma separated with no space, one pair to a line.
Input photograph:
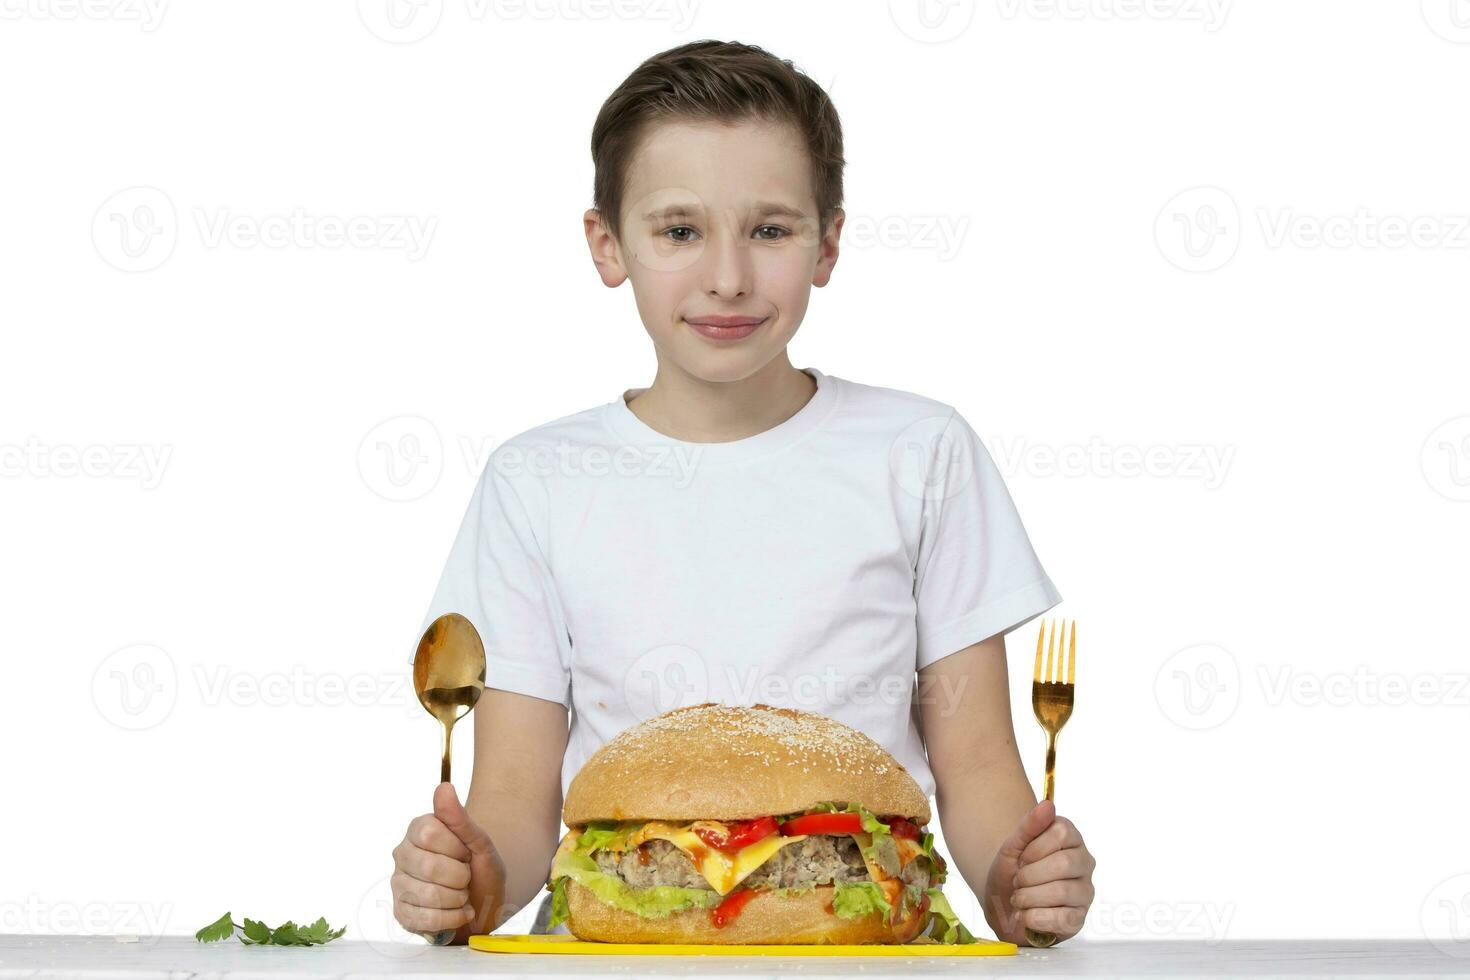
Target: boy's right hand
[446,873]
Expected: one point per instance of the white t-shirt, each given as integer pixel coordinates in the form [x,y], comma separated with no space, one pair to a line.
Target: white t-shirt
[815,565]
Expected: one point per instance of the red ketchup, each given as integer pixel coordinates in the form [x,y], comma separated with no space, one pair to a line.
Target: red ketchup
[725,912]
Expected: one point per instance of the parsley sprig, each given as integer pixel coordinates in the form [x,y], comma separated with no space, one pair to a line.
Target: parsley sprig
[256,933]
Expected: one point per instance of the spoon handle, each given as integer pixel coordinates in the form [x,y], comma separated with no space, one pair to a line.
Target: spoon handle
[443,936]
[448,742]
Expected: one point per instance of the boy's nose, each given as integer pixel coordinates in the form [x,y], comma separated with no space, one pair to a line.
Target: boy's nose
[726,266]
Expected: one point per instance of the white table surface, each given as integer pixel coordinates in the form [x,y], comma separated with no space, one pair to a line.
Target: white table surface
[177,958]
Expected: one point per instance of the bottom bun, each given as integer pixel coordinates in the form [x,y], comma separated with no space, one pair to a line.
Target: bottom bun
[767,919]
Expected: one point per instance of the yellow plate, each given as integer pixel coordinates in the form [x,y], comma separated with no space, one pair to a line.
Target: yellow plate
[558,943]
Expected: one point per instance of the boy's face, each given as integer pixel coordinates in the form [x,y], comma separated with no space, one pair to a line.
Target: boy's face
[718,220]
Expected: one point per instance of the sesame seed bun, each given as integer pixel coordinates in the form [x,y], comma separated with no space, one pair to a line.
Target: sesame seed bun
[723,762]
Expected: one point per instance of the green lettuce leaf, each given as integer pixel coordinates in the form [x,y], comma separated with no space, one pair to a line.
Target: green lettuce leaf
[605,835]
[943,921]
[854,899]
[656,902]
[559,911]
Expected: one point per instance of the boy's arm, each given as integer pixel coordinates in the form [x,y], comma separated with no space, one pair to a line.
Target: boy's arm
[980,785]
[515,794]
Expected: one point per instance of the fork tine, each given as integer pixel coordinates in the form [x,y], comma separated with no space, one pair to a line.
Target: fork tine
[1051,649]
[1040,638]
[1072,656]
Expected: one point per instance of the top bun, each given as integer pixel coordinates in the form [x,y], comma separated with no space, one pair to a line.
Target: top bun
[722,762]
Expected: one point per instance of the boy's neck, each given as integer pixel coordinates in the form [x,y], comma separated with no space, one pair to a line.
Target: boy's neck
[684,407]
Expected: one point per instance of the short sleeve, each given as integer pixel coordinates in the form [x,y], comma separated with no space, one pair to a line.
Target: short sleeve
[498,578]
[976,574]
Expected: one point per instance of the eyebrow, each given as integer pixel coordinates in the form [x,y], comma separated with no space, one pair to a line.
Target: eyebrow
[758,207]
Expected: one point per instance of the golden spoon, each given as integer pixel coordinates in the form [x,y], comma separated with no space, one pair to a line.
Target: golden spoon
[448,677]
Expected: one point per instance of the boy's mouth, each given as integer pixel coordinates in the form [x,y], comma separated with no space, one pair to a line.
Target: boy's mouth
[726,327]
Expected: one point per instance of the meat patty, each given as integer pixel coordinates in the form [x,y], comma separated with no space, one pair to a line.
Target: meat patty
[661,863]
[819,859]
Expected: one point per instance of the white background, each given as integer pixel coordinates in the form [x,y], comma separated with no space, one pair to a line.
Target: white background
[1227,239]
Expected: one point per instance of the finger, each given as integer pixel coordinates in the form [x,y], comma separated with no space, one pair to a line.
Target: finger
[428,833]
[1073,862]
[449,811]
[426,894]
[1064,922]
[1073,892]
[1034,823]
[1061,833]
[416,919]
[437,869]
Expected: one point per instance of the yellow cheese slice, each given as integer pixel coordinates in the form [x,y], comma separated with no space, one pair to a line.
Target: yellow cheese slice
[722,871]
[907,850]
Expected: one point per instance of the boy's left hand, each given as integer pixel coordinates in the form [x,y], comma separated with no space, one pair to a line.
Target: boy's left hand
[1041,879]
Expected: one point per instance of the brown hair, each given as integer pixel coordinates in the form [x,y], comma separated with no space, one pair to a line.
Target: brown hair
[724,81]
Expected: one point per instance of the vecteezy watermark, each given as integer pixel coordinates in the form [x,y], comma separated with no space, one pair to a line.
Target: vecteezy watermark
[942,234]
[1450,19]
[408,233]
[1444,916]
[124,461]
[407,21]
[664,678]
[136,687]
[1445,459]
[400,21]
[376,924]
[137,230]
[933,458]
[37,915]
[676,676]
[1363,229]
[1210,14]
[1362,687]
[1198,230]
[1207,922]
[1198,688]
[221,684]
[401,458]
[147,14]
[676,463]
[932,21]
[1206,463]
[824,689]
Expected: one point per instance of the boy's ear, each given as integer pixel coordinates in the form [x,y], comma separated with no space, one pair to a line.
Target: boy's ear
[827,249]
[604,248]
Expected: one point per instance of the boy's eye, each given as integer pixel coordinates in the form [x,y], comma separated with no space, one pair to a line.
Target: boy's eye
[683,234]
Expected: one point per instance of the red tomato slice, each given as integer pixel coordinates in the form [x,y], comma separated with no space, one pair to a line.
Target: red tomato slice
[747,832]
[823,823]
[740,835]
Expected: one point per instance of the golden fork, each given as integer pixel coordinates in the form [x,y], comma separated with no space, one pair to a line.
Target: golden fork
[1051,702]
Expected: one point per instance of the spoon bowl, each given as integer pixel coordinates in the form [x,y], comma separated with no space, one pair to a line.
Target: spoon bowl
[448,677]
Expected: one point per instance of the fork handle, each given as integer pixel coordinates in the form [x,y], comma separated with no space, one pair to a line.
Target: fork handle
[1043,939]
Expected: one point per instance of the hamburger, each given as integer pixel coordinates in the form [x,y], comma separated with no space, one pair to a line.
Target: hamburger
[723,824]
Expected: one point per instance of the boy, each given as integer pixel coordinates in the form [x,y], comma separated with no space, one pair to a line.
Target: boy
[740,530]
